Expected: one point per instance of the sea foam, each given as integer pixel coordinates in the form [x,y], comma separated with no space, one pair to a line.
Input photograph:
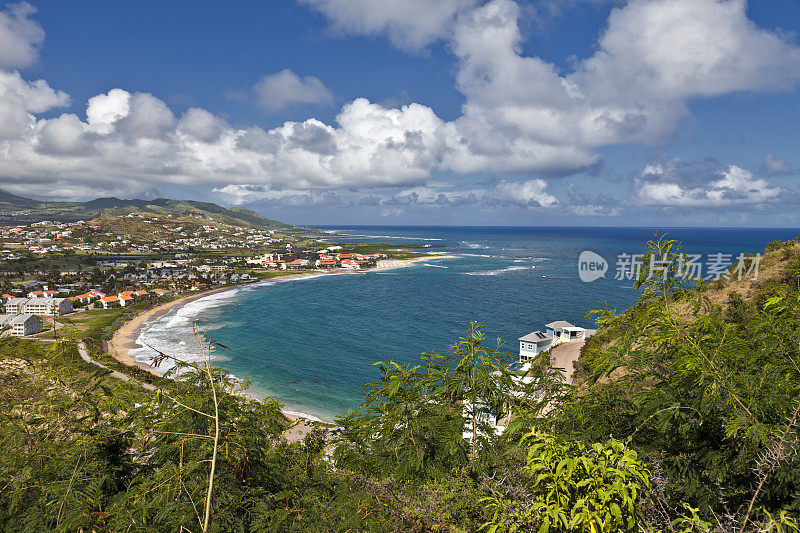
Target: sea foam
[499,271]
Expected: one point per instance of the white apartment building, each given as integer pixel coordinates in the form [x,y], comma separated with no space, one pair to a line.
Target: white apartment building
[21,325]
[15,306]
[46,306]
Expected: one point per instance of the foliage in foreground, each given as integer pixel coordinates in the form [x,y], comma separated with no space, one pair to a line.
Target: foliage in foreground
[573,489]
[686,420]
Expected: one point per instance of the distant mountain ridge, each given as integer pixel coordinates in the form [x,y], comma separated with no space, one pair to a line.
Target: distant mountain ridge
[20,210]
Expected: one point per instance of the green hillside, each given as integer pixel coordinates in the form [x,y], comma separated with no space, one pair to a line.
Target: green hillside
[684,419]
[20,210]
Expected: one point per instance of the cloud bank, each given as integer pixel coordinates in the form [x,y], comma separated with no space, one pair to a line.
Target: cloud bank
[521,115]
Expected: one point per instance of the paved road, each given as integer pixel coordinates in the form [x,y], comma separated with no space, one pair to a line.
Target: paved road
[86,357]
[564,354]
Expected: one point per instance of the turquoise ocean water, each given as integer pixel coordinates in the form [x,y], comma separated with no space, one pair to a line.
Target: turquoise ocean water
[311,342]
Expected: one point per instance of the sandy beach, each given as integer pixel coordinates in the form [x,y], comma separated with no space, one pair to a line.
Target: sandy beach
[124,339]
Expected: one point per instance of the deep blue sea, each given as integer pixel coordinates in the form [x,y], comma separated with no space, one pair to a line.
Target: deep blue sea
[311,342]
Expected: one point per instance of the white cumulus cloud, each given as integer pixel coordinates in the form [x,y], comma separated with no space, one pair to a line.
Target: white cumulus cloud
[410,24]
[20,37]
[732,186]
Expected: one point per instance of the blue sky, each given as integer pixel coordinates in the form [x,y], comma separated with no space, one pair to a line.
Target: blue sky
[647,112]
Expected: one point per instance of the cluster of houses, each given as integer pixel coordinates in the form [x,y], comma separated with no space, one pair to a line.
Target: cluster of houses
[48,236]
[325,260]
[124,298]
[38,238]
[22,316]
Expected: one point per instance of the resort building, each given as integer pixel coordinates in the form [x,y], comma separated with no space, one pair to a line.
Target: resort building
[216,267]
[109,302]
[326,261]
[84,298]
[21,325]
[48,306]
[279,264]
[297,263]
[15,306]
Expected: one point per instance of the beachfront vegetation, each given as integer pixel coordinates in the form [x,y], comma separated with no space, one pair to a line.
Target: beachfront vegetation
[684,418]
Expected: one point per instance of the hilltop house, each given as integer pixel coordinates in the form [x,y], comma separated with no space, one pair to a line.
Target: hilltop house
[563,331]
[555,333]
[533,343]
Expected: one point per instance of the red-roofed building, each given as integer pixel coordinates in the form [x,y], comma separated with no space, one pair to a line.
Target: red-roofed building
[326,263]
[297,263]
[109,301]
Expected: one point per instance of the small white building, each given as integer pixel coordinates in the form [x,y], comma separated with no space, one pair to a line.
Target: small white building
[532,344]
[212,268]
[26,324]
[42,294]
[563,331]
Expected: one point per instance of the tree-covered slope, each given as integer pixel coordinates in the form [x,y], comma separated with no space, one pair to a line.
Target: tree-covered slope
[19,210]
[705,381]
[685,420]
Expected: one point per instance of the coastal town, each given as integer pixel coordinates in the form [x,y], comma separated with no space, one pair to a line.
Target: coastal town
[51,269]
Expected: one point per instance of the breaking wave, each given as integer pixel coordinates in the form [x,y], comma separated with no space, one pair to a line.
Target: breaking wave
[499,271]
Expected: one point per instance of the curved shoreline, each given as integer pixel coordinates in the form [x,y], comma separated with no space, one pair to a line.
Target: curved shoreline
[125,337]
